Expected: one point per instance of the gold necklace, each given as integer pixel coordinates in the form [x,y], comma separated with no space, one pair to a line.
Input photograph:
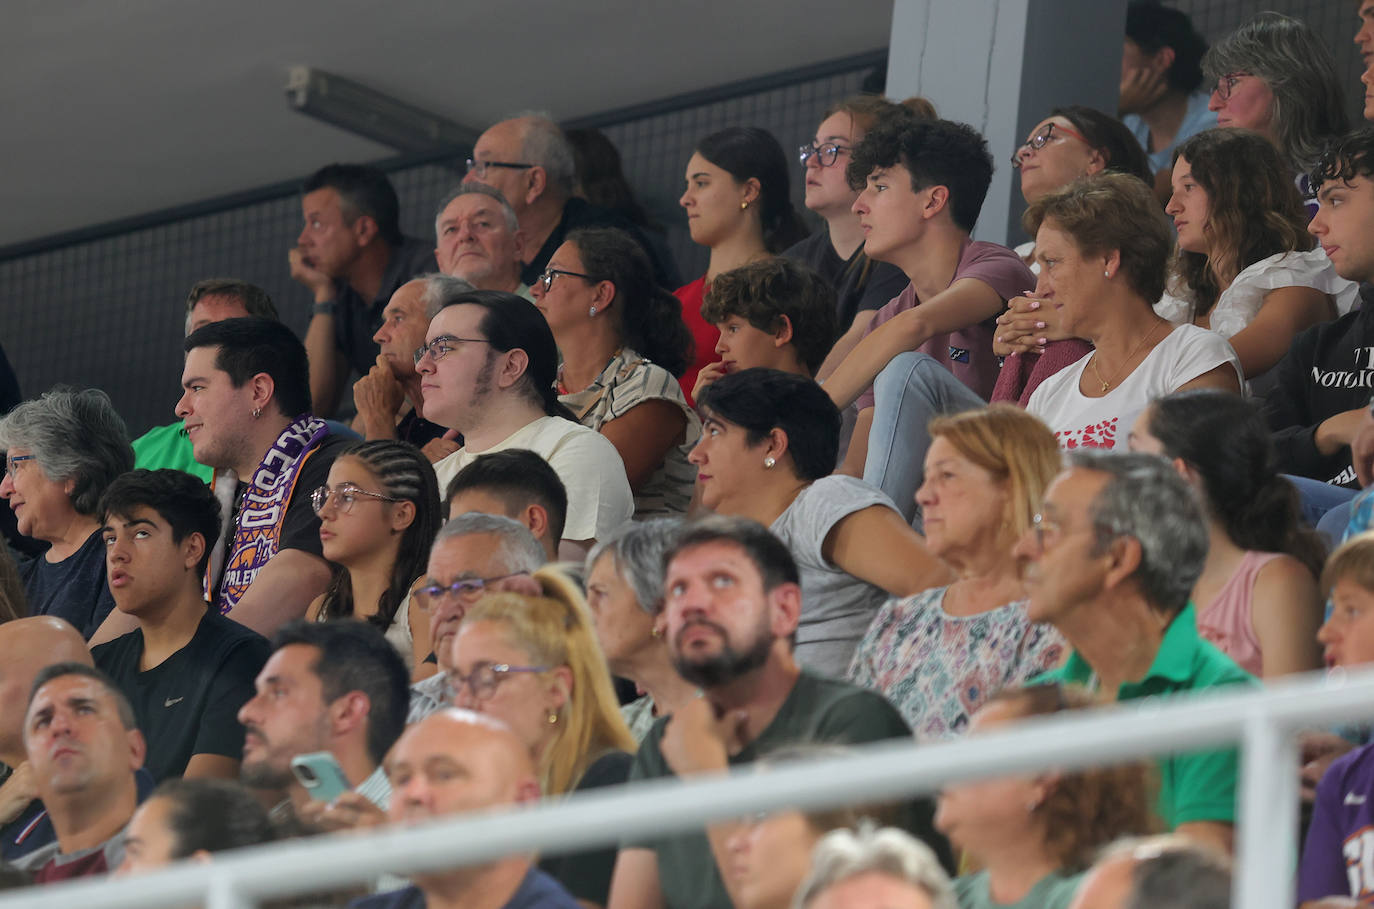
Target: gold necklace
[1129,357]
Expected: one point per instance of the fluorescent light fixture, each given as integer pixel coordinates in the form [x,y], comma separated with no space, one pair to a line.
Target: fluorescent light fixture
[367,112]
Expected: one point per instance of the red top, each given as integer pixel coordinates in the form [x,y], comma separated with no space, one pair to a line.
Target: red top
[704,334]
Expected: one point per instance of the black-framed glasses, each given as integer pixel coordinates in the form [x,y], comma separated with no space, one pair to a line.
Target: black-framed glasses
[480,167]
[343,496]
[1042,138]
[12,460]
[825,154]
[1226,84]
[430,595]
[546,279]
[484,679]
[440,346]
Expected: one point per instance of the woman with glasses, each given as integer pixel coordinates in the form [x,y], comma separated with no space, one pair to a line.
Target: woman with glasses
[533,662]
[624,345]
[61,451]
[1070,143]
[1274,76]
[738,206]
[1033,836]
[936,655]
[767,452]
[1246,266]
[835,252]
[625,595]
[1257,597]
[379,512]
[1103,247]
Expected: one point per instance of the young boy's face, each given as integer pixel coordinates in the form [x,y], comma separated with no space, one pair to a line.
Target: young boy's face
[1348,635]
[1344,225]
[742,346]
[891,213]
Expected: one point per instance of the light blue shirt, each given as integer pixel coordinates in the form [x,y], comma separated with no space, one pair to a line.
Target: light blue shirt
[1195,121]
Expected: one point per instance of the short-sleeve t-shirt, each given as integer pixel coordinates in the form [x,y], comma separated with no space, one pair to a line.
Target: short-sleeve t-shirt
[599,497]
[861,284]
[1338,856]
[967,352]
[1199,785]
[188,704]
[817,711]
[587,875]
[73,589]
[836,606]
[1079,421]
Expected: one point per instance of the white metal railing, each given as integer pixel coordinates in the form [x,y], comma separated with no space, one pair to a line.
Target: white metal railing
[1261,721]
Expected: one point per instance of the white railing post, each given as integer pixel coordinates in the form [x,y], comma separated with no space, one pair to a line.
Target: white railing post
[1267,821]
[223,893]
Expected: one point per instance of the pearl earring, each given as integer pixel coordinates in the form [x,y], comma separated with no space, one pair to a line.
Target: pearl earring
[768,463]
[1106,274]
[592,312]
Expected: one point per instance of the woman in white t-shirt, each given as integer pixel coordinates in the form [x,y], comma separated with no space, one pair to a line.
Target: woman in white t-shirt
[1103,247]
[1246,265]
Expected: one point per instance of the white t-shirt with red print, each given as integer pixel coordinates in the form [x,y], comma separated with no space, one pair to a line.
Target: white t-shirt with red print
[1082,422]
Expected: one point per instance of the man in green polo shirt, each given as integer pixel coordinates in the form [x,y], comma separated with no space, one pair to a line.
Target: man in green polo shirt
[1111,563]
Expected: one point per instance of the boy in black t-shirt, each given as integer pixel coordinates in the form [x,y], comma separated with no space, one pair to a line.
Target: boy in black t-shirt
[187,670]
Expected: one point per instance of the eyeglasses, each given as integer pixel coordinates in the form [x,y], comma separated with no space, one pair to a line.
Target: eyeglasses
[549,274]
[480,167]
[1226,84]
[1047,531]
[440,346]
[343,496]
[826,153]
[1042,138]
[483,680]
[463,589]
[11,461]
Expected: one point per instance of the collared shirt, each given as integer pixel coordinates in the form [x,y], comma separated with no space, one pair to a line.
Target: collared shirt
[376,788]
[357,320]
[1199,785]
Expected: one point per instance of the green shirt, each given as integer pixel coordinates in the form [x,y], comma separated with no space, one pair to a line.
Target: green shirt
[168,446]
[817,710]
[1199,785]
[1053,891]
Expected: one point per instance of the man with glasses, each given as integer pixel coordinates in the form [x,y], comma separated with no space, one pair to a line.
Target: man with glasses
[333,686]
[185,669]
[478,239]
[488,371]
[531,162]
[473,554]
[1111,562]
[351,256]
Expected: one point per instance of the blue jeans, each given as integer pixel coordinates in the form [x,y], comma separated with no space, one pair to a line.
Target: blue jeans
[1320,499]
[911,390]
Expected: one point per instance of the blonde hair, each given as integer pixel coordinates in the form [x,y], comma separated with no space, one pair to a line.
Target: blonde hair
[1011,445]
[556,630]
[1353,560]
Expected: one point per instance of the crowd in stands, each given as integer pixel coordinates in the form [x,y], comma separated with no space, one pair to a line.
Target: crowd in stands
[584,525]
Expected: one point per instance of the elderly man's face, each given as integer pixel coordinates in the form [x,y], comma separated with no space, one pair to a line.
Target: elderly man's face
[502,144]
[475,242]
[403,328]
[1063,568]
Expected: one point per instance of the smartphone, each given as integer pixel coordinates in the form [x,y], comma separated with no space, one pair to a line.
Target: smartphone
[321,775]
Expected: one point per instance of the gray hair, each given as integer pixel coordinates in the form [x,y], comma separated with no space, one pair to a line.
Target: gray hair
[519,550]
[1147,500]
[637,549]
[479,189]
[542,142]
[1173,872]
[842,854]
[73,435]
[439,289]
[1309,102]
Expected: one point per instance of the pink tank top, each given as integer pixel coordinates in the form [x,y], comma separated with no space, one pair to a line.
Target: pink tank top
[1226,621]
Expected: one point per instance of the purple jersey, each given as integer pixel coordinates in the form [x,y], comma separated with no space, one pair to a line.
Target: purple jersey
[1338,858]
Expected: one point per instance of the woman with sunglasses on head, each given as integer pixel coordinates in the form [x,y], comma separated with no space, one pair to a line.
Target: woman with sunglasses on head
[624,345]
[1246,267]
[379,512]
[533,662]
[1274,76]
[836,251]
[738,207]
[1070,143]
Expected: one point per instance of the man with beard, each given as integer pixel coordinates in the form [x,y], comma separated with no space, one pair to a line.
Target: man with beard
[731,602]
[328,686]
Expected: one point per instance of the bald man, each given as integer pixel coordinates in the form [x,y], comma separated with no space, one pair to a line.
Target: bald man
[456,762]
[27,646]
[1168,870]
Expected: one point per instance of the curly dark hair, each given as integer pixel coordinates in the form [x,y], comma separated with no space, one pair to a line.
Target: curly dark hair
[935,153]
[764,293]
